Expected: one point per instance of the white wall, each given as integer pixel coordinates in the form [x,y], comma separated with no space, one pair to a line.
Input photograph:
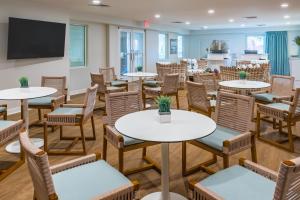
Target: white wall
[151,50]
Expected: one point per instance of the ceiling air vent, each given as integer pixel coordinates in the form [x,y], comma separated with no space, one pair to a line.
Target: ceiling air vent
[250,17]
[101,5]
[260,25]
[177,22]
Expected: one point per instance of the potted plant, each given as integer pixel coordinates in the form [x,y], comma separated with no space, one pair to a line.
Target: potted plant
[139,68]
[23,82]
[164,104]
[297,41]
[243,75]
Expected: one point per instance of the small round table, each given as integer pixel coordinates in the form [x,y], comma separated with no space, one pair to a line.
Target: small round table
[24,94]
[244,84]
[184,126]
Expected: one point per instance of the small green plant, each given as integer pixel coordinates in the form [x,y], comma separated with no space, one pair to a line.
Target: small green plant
[139,68]
[297,40]
[23,82]
[243,75]
[164,104]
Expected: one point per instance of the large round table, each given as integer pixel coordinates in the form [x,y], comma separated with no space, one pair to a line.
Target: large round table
[24,94]
[184,126]
[244,84]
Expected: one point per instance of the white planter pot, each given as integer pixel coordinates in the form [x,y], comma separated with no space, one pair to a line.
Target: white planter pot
[243,81]
[165,117]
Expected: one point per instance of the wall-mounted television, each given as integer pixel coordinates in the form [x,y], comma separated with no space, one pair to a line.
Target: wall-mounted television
[35,39]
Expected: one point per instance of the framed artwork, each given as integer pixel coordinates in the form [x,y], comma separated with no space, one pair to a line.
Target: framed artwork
[173,46]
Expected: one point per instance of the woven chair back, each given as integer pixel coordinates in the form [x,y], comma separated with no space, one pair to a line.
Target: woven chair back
[162,70]
[282,85]
[57,82]
[99,80]
[207,79]
[89,101]
[197,96]
[170,84]
[108,73]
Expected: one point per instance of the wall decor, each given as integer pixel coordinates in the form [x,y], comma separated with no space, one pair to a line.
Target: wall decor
[173,46]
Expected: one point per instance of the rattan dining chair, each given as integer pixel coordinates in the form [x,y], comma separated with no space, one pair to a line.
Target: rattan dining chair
[162,71]
[53,101]
[169,88]
[118,105]
[111,78]
[72,115]
[8,131]
[198,99]
[250,181]
[284,111]
[3,111]
[84,178]
[233,135]
[209,80]
[202,64]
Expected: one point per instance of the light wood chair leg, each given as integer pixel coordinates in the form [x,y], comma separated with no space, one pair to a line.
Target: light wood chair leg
[226,161]
[280,126]
[93,127]
[253,149]
[177,101]
[144,99]
[40,114]
[121,160]
[52,127]
[144,152]
[290,136]
[5,115]
[83,139]
[104,150]
[183,158]
[45,137]
[258,124]
[60,132]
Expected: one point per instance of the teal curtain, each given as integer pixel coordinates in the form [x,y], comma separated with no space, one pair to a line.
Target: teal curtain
[277,49]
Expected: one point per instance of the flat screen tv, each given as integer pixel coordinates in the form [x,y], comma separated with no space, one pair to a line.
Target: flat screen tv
[35,39]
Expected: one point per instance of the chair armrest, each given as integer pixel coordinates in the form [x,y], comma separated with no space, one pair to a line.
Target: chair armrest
[259,92]
[238,143]
[263,171]
[73,105]
[125,192]
[113,136]
[74,163]
[202,192]
[57,101]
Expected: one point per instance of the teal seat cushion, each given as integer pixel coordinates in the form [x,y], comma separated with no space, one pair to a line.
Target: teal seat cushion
[2,109]
[265,97]
[151,83]
[239,183]
[280,106]
[217,138]
[5,124]
[131,141]
[118,83]
[42,101]
[66,111]
[88,181]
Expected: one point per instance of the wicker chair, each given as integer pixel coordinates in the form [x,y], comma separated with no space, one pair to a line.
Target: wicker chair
[250,181]
[118,105]
[284,111]
[202,64]
[8,131]
[53,101]
[168,88]
[3,111]
[198,100]
[102,87]
[233,116]
[82,178]
[72,115]
[162,71]
[243,62]
[281,88]
[209,81]
[111,78]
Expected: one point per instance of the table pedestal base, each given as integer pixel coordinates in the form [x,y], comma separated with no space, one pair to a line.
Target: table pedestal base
[158,196]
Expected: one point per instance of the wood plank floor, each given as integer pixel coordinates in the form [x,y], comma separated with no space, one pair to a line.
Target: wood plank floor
[18,186]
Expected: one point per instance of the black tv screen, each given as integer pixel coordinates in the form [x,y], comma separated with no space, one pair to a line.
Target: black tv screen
[35,39]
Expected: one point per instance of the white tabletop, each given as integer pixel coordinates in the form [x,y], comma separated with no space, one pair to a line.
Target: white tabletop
[184,126]
[140,74]
[26,93]
[244,84]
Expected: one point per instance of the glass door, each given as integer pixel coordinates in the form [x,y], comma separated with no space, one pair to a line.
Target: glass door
[132,50]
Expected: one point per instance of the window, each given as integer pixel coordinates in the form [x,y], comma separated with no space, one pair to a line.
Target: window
[179,46]
[77,48]
[257,43]
[162,43]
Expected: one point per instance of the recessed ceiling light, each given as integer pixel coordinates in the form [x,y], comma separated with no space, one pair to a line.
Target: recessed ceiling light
[157,16]
[231,20]
[243,25]
[96,2]
[211,11]
[205,27]
[286,16]
[284,5]
[288,23]
[187,23]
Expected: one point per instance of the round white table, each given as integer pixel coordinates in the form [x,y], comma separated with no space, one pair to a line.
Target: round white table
[141,75]
[244,84]
[24,94]
[184,126]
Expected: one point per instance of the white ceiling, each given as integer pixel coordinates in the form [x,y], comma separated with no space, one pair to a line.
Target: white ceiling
[268,12]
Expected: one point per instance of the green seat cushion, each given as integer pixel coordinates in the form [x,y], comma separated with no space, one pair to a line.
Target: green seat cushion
[239,183]
[87,181]
[66,111]
[217,138]
[129,141]
[118,83]
[280,106]
[42,101]
[265,97]
[151,83]
[2,109]
[5,124]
